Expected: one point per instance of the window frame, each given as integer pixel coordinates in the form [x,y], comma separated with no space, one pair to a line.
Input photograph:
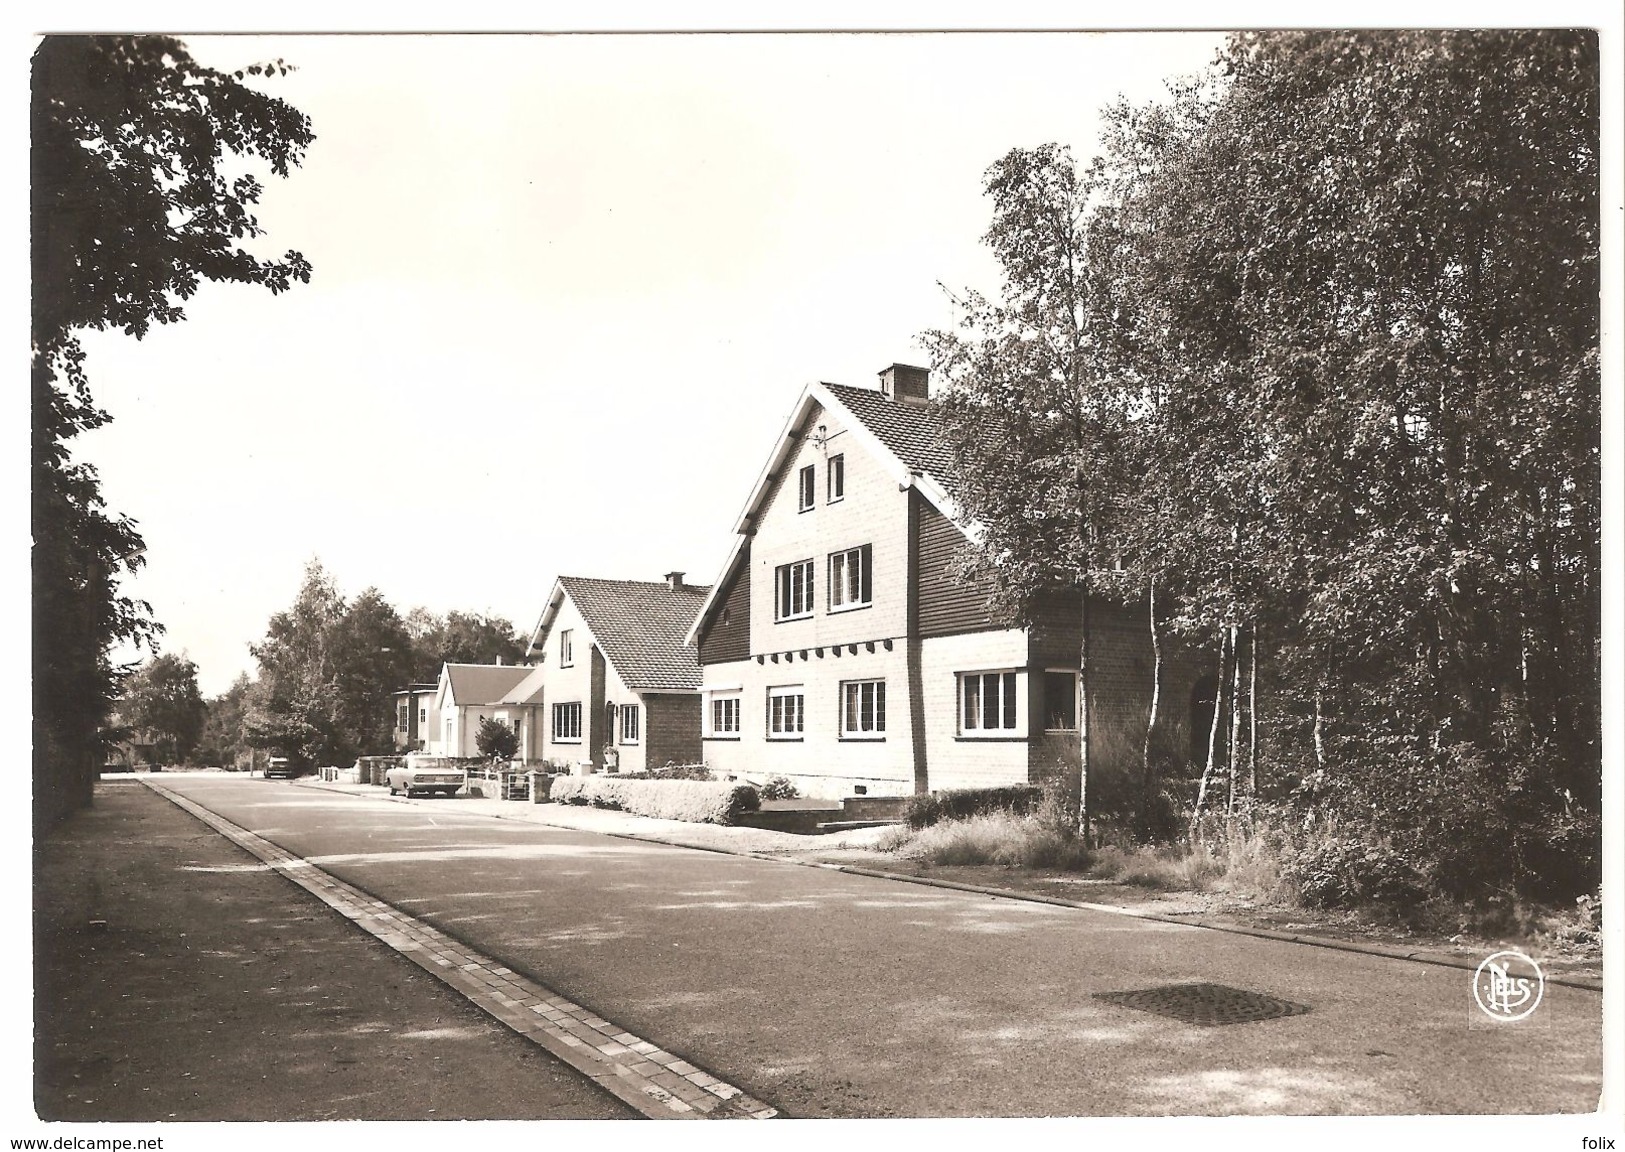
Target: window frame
[865,568]
[633,713]
[711,730]
[877,708]
[835,479]
[784,589]
[773,716]
[1009,684]
[560,710]
[567,653]
[1073,673]
[806,488]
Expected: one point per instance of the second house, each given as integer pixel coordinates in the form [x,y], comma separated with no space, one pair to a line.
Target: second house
[622,690]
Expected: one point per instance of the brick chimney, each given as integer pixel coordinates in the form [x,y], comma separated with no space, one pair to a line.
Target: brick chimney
[906,384]
[675,580]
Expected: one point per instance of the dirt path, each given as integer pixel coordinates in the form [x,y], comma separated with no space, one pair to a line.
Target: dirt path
[176,978]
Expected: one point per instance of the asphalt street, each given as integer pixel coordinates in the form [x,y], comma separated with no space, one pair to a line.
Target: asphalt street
[829,994]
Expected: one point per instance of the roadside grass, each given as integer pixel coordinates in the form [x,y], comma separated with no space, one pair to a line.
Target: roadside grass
[995,838]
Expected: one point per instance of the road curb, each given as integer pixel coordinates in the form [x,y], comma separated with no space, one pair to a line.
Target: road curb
[659,1084]
[1415,957]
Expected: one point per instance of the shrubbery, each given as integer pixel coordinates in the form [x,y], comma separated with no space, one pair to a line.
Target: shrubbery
[962,803]
[697,801]
[779,788]
[672,772]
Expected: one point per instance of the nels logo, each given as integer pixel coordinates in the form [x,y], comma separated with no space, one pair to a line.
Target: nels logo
[1508,986]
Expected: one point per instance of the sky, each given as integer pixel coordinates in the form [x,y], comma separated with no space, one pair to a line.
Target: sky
[566,290]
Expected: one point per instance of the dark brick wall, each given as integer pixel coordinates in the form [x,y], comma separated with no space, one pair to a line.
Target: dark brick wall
[1120,678]
[673,729]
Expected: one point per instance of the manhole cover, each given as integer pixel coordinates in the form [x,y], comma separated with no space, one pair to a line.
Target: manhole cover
[1205,1005]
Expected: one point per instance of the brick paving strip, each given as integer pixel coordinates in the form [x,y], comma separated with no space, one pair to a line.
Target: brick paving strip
[657,1083]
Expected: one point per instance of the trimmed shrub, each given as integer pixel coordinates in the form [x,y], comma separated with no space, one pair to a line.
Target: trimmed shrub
[963,803]
[697,801]
[672,772]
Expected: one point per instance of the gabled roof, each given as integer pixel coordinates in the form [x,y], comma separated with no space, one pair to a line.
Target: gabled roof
[638,625]
[911,432]
[528,690]
[476,684]
[905,439]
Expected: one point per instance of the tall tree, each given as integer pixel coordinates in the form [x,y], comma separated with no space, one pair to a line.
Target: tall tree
[161,701]
[294,706]
[136,198]
[372,656]
[1032,422]
[222,741]
[460,638]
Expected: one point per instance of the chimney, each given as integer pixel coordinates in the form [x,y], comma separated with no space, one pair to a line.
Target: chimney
[906,384]
[675,580]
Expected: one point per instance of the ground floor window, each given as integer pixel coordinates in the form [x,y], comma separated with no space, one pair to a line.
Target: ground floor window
[863,709]
[1060,700]
[630,723]
[786,711]
[987,703]
[722,716]
[567,722]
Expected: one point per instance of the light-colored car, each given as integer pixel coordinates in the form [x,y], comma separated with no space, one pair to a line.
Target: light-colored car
[428,780]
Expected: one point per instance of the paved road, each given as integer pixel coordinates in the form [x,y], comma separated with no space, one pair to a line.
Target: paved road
[835,995]
[212,989]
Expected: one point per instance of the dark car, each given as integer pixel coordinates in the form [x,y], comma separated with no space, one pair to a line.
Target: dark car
[280,768]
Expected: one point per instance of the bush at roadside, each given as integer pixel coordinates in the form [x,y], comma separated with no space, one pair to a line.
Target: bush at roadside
[964,803]
[697,801]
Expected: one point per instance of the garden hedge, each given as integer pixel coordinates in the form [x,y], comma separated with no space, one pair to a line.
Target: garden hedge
[963,803]
[697,801]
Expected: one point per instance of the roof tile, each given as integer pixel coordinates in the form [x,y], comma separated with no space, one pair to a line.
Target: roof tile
[640,626]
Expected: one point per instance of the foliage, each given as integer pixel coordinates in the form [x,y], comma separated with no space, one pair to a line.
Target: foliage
[1001,838]
[1347,871]
[222,741]
[922,811]
[496,740]
[131,208]
[161,700]
[697,801]
[779,788]
[672,772]
[459,638]
[1333,316]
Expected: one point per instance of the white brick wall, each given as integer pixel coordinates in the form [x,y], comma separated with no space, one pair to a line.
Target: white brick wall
[955,761]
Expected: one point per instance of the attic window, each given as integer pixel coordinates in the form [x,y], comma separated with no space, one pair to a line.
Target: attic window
[566,649]
[837,479]
[807,486]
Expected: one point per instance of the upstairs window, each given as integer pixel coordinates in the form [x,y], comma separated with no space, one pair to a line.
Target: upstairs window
[850,584]
[837,479]
[807,486]
[794,596]
[987,702]
[566,649]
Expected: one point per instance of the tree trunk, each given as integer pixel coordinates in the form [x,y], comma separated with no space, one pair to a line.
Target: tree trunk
[1212,740]
[1252,715]
[1320,746]
[1083,724]
[1235,717]
[1151,720]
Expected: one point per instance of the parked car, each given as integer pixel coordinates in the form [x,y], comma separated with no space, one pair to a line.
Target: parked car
[444,780]
[280,767]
